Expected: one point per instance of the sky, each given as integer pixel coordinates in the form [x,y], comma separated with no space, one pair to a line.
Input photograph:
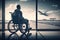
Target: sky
[28,8]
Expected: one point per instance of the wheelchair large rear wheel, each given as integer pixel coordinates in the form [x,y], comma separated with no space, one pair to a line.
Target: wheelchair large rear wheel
[13,28]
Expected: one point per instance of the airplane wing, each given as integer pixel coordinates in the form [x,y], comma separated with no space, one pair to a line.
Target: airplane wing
[42,13]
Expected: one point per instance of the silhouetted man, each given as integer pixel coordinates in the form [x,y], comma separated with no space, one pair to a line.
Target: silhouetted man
[17,16]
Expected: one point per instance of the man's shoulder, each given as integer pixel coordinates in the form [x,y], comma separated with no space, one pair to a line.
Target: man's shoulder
[18,10]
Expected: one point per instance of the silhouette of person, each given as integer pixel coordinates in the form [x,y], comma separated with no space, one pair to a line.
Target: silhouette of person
[18,17]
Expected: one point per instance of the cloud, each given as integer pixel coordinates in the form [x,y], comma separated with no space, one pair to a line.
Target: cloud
[23,0]
[56,12]
[28,12]
[51,14]
[55,5]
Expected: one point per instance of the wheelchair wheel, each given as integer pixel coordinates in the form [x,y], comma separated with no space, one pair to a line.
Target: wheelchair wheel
[12,27]
[23,28]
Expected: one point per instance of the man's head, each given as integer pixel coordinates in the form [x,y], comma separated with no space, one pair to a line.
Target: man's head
[18,7]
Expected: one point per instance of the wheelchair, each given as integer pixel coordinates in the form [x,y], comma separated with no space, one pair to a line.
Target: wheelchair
[14,26]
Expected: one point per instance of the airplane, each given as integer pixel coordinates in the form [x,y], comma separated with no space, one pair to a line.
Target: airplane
[45,14]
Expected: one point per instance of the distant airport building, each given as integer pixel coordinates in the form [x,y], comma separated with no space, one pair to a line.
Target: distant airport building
[44,19]
[52,19]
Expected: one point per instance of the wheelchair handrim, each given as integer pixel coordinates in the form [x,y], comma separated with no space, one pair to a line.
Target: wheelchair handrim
[10,29]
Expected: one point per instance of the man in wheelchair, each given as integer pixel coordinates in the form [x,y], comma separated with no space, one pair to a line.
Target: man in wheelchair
[17,16]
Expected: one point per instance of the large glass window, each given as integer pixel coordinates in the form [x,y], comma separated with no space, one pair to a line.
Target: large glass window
[43,26]
[48,19]
[28,8]
[48,14]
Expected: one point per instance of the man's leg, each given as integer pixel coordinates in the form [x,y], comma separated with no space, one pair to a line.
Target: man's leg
[26,22]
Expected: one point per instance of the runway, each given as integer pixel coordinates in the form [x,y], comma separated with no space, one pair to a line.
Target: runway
[41,35]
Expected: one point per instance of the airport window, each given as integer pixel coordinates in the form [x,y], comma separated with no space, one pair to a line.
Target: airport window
[39,20]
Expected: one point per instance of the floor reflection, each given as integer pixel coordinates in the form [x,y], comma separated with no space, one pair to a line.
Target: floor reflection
[13,37]
[23,36]
[41,35]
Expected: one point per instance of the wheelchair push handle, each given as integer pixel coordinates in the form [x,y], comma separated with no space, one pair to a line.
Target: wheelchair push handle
[10,12]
